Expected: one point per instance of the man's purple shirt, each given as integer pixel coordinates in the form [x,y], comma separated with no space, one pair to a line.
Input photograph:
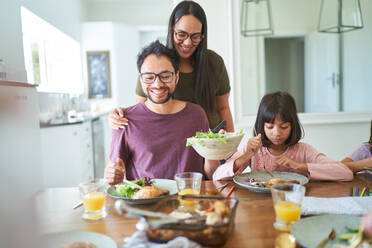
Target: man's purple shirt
[154,145]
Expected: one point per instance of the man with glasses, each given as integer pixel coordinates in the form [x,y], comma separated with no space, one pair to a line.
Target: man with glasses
[154,142]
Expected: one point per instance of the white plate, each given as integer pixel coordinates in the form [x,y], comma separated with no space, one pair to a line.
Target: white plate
[261,176]
[160,183]
[310,231]
[58,240]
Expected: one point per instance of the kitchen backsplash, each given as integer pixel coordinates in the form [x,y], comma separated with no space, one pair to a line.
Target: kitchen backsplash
[60,103]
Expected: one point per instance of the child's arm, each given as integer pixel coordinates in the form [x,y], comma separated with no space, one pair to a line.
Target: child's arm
[210,167]
[239,161]
[295,166]
[356,166]
[321,167]
[309,162]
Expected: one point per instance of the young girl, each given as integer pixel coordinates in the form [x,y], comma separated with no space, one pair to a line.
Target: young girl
[361,158]
[279,132]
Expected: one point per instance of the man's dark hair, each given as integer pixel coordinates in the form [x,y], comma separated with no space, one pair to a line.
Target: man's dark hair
[158,49]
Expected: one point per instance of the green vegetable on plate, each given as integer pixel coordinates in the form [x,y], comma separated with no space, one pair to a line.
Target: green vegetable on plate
[129,188]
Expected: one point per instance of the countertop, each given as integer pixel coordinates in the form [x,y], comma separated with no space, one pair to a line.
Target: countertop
[63,121]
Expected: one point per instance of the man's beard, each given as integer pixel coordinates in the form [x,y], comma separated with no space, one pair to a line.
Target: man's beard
[169,96]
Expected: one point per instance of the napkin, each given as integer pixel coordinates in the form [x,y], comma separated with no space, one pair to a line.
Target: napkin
[139,240]
[339,205]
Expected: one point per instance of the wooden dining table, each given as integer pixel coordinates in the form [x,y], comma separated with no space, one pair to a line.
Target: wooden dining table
[253,221]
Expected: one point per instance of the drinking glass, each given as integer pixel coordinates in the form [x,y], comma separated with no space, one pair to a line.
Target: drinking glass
[93,194]
[188,183]
[287,199]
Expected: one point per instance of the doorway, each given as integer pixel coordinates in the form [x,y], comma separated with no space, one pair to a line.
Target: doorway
[284,67]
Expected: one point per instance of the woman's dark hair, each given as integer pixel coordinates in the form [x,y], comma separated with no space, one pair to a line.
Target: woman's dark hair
[158,49]
[204,87]
[278,104]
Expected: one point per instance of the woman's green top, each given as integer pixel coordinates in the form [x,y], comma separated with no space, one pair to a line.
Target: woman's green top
[186,85]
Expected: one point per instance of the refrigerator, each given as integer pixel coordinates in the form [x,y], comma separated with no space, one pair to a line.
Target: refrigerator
[20,163]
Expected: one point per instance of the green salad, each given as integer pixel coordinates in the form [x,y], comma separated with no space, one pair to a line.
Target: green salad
[128,188]
[351,234]
[211,135]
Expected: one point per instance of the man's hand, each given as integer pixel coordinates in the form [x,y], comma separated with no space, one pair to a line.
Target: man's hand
[114,172]
[117,120]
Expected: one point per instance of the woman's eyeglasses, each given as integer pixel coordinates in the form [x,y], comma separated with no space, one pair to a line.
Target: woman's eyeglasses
[182,36]
[150,77]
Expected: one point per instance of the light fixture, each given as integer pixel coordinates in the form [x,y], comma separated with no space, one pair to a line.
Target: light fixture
[256,18]
[338,16]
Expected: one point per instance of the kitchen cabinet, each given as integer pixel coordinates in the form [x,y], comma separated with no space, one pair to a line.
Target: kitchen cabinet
[99,145]
[67,154]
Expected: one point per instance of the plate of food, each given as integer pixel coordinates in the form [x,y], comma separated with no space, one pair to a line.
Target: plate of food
[311,231]
[73,239]
[143,190]
[215,146]
[261,182]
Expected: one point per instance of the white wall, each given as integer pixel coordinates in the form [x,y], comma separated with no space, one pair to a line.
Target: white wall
[65,15]
[337,140]
[127,45]
[123,43]
[335,134]
[131,12]
[358,64]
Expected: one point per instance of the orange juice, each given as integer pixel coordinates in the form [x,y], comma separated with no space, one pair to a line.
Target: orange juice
[188,192]
[288,211]
[94,201]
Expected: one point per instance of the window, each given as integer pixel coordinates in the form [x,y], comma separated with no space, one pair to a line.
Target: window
[52,58]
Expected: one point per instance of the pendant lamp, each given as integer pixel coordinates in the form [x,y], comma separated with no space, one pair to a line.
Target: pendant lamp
[338,16]
[255,19]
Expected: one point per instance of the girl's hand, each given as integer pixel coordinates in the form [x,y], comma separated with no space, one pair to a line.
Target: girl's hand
[117,120]
[114,172]
[241,163]
[244,160]
[254,143]
[288,163]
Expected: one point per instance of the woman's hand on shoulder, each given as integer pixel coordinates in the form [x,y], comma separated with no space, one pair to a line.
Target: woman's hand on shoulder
[117,119]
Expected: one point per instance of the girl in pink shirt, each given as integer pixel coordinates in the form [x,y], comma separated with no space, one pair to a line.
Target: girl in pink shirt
[279,132]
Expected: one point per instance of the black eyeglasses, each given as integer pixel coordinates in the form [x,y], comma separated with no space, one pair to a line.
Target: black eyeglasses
[182,36]
[150,77]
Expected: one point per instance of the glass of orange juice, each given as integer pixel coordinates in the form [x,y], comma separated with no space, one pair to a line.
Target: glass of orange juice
[93,194]
[188,183]
[287,200]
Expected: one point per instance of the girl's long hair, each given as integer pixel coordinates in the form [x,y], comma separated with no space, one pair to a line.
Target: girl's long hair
[204,87]
[278,104]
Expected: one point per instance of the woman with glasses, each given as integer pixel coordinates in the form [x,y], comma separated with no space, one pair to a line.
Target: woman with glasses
[203,76]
